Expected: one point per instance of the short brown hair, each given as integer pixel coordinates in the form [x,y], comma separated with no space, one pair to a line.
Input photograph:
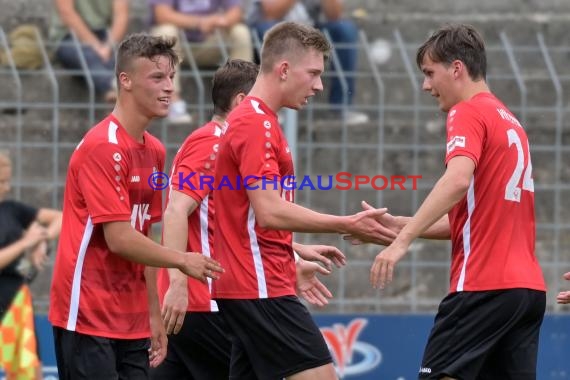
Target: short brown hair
[291,38]
[456,41]
[236,76]
[142,45]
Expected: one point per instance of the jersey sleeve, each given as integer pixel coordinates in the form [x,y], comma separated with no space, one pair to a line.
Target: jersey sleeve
[193,173]
[465,133]
[156,205]
[103,181]
[256,149]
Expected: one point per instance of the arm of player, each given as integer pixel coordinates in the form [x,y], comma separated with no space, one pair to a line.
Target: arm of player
[51,219]
[158,339]
[324,254]
[273,212]
[448,190]
[440,230]
[309,286]
[128,243]
[175,236]
[564,296]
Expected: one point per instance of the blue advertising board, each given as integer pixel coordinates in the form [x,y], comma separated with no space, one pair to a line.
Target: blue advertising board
[383,347]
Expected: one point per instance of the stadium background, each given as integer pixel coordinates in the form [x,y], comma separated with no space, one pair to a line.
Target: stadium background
[44,113]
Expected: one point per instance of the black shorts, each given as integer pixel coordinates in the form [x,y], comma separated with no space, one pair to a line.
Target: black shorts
[81,356]
[272,338]
[487,335]
[201,350]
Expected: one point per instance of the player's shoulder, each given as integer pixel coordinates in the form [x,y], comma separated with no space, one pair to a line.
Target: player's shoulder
[209,131]
[104,134]
[252,115]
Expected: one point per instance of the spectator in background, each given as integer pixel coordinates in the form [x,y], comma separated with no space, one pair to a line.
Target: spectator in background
[24,231]
[98,25]
[200,19]
[325,15]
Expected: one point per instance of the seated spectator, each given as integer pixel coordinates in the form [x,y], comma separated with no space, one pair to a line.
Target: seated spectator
[24,231]
[325,15]
[98,25]
[200,19]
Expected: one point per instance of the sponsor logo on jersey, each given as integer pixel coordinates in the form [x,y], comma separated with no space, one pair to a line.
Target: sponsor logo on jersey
[455,142]
[135,179]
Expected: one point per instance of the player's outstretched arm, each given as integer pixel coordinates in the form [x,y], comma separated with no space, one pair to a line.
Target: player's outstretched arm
[440,230]
[128,243]
[158,339]
[175,236]
[309,286]
[448,190]
[564,296]
[273,212]
[325,254]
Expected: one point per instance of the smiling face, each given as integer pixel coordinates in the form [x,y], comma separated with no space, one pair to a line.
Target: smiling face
[303,79]
[150,83]
[439,81]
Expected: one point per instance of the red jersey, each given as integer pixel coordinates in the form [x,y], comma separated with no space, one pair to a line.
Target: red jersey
[95,291]
[493,226]
[192,174]
[258,262]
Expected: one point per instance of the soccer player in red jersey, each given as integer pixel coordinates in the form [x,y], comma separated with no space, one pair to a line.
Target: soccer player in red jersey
[273,333]
[103,304]
[200,347]
[488,326]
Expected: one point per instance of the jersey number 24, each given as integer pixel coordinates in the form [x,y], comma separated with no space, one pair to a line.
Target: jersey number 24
[512,190]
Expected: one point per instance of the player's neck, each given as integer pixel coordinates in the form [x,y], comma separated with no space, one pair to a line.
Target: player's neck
[475,88]
[135,123]
[219,119]
[267,92]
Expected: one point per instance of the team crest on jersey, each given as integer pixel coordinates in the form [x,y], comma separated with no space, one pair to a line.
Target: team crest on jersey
[117,157]
[455,142]
[267,124]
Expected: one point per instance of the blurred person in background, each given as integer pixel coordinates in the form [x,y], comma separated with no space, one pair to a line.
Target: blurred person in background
[325,15]
[24,234]
[199,20]
[99,25]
